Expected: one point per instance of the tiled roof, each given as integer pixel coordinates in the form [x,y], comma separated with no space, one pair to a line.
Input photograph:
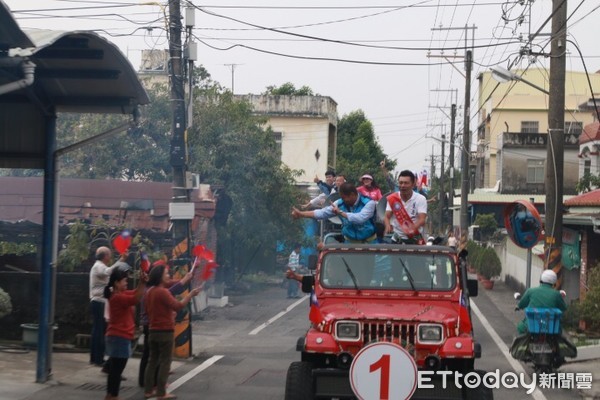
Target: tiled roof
[590,133]
[139,205]
[585,200]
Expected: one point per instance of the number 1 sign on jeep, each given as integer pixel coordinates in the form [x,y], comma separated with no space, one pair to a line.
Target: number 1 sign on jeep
[386,307]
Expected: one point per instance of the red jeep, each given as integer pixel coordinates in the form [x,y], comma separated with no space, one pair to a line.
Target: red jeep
[414,296]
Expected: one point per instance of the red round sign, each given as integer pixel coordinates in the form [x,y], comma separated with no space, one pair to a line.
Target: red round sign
[383,371]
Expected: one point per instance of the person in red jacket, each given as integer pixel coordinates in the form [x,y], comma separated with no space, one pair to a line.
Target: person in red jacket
[121,325]
[369,188]
[161,308]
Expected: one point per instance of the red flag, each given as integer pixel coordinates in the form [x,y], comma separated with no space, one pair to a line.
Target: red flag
[122,242]
[315,316]
[208,270]
[144,262]
[202,252]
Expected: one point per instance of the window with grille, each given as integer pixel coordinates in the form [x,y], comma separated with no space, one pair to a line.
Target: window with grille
[574,127]
[535,171]
[530,127]
[587,166]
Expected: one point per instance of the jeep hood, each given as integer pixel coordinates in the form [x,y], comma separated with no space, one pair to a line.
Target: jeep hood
[404,310]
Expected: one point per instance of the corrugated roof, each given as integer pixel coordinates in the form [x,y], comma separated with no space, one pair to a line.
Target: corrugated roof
[75,71]
[589,199]
[493,197]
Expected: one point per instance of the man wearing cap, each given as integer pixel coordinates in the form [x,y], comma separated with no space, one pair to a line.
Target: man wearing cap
[355,211]
[406,212]
[543,296]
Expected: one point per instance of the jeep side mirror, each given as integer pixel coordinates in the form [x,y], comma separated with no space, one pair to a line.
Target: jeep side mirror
[472,287]
[312,262]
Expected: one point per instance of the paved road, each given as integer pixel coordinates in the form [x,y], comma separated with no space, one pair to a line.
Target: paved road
[253,366]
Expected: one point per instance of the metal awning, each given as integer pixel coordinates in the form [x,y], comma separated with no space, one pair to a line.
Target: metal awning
[75,71]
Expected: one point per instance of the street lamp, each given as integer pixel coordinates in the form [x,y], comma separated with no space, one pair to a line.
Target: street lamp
[503,75]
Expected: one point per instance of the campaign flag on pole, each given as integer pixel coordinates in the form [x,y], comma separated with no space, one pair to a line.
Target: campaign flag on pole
[208,270]
[315,316]
[122,242]
[144,262]
[464,318]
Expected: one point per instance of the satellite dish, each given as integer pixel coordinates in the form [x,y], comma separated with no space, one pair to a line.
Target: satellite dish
[330,200]
[523,223]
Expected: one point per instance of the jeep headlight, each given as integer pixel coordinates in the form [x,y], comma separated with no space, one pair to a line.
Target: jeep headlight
[347,330]
[430,333]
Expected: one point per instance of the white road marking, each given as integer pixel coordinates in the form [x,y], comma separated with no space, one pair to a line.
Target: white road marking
[277,316]
[179,382]
[537,394]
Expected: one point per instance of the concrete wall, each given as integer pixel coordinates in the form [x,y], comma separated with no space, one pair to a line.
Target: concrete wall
[514,170]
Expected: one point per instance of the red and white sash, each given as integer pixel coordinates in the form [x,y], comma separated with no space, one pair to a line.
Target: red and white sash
[404,220]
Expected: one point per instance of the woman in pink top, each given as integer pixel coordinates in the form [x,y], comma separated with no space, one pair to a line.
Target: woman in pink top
[121,325]
[369,188]
[161,308]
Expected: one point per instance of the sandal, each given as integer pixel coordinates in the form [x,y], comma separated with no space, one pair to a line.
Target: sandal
[168,396]
[149,395]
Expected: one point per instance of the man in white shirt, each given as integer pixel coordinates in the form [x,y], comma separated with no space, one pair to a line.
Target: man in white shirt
[99,276]
[406,212]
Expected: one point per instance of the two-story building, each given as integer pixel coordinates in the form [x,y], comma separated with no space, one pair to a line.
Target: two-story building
[512,133]
[305,127]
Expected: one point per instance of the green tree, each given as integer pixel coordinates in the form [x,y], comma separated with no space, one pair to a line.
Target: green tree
[358,151]
[589,308]
[231,150]
[487,225]
[288,89]
[587,183]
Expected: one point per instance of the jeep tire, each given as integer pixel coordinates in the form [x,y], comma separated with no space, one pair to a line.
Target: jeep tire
[299,381]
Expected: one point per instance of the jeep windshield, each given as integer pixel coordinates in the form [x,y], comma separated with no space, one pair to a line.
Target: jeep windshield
[380,270]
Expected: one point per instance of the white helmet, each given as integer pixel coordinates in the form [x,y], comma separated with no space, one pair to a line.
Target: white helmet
[549,277]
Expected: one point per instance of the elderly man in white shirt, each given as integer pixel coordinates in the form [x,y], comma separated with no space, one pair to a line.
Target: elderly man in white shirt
[99,276]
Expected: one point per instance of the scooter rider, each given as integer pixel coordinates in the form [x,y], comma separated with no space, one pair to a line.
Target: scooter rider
[543,296]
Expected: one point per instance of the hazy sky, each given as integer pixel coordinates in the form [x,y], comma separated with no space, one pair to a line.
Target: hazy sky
[381,56]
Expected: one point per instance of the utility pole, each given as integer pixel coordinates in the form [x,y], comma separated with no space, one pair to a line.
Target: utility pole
[466,154]
[442,191]
[451,160]
[178,126]
[556,140]
[232,66]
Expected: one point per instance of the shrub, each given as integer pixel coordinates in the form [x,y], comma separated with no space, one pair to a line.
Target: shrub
[487,225]
[489,265]
[5,304]
[590,306]
[475,251]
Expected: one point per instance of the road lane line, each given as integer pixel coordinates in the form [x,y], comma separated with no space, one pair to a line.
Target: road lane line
[537,393]
[277,316]
[179,382]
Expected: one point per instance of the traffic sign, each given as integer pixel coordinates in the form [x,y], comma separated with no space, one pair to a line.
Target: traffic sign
[383,371]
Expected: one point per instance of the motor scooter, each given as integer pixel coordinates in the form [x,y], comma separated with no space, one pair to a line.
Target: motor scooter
[543,345]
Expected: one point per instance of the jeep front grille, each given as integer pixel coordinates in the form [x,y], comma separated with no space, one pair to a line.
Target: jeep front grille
[396,332]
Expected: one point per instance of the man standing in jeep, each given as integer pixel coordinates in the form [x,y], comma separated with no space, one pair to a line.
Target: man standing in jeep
[406,212]
[355,211]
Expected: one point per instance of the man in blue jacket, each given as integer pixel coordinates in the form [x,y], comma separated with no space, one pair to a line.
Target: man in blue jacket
[356,212]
